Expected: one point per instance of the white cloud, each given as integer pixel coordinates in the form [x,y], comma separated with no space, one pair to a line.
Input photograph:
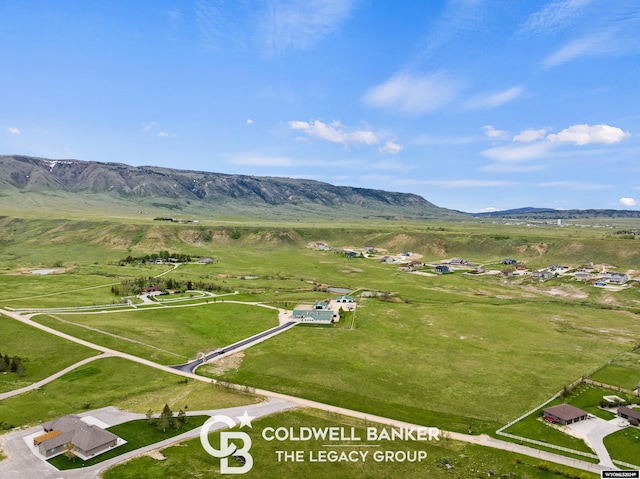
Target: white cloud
[413,94]
[512,153]
[555,14]
[288,24]
[249,121]
[495,99]
[587,134]
[334,132]
[527,136]
[163,133]
[13,130]
[572,185]
[390,148]
[628,201]
[495,134]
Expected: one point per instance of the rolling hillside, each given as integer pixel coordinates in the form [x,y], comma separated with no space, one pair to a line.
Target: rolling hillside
[164,191]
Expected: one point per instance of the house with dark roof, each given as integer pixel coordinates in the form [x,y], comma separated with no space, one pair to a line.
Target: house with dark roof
[88,439]
[631,415]
[442,269]
[509,261]
[564,414]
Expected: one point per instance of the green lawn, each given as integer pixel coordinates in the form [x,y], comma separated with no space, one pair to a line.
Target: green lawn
[189,459]
[137,434]
[621,376]
[624,445]
[105,382]
[169,335]
[42,354]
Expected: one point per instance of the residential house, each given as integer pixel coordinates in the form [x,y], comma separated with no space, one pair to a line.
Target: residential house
[617,278]
[442,269]
[459,261]
[542,275]
[631,415]
[318,313]
[509,261]
[88,440]
[564,414]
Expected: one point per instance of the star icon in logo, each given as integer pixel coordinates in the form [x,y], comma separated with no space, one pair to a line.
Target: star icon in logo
[245,420]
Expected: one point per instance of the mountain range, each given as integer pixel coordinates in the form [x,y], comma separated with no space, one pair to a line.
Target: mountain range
[43,183]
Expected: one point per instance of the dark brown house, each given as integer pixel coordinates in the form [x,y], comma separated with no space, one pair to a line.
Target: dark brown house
[564,414]
[631,415]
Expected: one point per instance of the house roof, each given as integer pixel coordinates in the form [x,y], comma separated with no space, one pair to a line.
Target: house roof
[565,412]
[627,411]
[45,437]
[73,429]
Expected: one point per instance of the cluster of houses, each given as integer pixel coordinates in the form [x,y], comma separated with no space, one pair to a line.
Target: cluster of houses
[510,266]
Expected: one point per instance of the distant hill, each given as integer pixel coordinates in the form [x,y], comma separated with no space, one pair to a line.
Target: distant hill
[549,213]
[163,191]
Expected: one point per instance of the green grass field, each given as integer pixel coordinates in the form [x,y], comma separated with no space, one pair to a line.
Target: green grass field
[456,351]
[169,335]
[624,445]
[112,381]
[42,354]
[137,434]
[190,460]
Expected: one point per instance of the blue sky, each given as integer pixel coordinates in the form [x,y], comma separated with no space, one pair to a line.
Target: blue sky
[472,104]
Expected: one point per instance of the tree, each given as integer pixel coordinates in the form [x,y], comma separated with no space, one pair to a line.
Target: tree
[14,364]
[182,416]
[149,415]
[70,451]
[166,418]
[3,365]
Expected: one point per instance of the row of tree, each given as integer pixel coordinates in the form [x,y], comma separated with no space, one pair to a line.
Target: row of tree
[167,419]
[137,286]
[13,365]
[163,254]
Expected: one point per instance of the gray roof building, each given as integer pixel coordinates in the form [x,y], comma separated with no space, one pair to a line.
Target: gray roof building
[87,439]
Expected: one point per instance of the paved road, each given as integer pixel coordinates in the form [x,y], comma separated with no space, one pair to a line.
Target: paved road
[481,440]
[23,464]
[191,366]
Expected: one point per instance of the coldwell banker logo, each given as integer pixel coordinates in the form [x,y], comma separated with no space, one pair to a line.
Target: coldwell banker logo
[332,444]
[229,444]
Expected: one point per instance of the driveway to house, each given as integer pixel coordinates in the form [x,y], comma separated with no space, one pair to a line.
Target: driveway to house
[191,366]
[23,463]
[594,430]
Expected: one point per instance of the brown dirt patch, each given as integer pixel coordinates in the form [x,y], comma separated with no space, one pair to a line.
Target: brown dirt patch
[228,363]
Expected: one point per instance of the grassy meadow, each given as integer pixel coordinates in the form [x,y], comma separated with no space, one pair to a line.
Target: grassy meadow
[41,353]
[114,381]
[460,352]
[466,461]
